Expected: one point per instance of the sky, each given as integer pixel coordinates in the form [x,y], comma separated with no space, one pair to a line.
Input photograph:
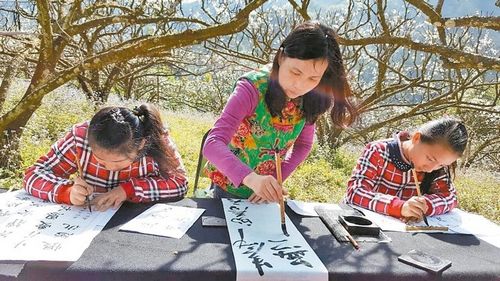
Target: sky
[451,8]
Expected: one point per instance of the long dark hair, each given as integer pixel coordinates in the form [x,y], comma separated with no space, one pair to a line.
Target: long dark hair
[122,130]
[313,40]
[450,132]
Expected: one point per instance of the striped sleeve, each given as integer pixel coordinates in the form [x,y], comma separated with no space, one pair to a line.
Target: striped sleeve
[154,187]
[48,178]
[443,195]
[362,186]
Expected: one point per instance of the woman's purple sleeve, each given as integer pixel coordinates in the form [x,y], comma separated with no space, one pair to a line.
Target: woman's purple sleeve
[241,103]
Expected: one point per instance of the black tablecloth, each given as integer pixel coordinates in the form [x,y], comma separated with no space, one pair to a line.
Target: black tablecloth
[204,253]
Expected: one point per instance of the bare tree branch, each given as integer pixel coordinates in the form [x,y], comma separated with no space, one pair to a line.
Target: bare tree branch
[45,24]
[474,21]
[481,62]
[302,10]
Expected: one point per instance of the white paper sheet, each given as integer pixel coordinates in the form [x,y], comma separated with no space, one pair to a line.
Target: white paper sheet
[33,229]
[307,208]
[261,250]
[457,221]
[164,220]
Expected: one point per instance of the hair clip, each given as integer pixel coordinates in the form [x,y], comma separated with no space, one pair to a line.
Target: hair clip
[117,116]
[138,113]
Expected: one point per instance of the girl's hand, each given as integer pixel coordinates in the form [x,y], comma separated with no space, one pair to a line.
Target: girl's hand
[414,209]
[79,191]
[112,198]
[266,187]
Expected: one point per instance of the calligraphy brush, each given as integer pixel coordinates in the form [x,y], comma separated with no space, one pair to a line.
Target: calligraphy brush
[80,174]
[280,181]
[353,242]
[417,186]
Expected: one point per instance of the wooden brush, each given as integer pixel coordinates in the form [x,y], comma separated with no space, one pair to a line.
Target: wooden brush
[80,174]
[282,200]
[423,228]
[417,186]
[353,242]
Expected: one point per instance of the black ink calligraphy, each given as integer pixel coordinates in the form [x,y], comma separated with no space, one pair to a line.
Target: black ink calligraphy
[43,225]
[253,250]
[5,233]
[293,253]
[51,246]
[70,227]
[64,208]
[52,215]
[239,213]
[16,223]
[4,213]
[63,234]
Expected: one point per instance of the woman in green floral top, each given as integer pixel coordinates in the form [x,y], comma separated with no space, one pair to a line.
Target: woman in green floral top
[274,111]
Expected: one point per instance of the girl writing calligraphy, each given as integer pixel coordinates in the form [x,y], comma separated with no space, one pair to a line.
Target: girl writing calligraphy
[124,154]
[382,180]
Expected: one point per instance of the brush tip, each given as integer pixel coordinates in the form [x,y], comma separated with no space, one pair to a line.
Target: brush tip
[425,220]
[283,227]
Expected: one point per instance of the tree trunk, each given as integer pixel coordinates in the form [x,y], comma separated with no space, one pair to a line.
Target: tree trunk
[328,134]
[9,142]
[9,153]
[8,77]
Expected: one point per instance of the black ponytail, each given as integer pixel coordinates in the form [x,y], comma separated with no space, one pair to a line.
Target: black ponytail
[155,132]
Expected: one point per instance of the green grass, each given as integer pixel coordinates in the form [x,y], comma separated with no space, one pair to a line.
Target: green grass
[478,193]
[187,131]
[322,177]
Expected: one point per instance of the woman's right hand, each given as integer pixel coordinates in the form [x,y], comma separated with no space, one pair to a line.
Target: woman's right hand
[266,187]
[414,208]
[79,191]
[254,198]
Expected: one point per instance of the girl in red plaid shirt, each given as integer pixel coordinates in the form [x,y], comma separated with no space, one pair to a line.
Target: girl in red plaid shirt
[124,154]
[382,180]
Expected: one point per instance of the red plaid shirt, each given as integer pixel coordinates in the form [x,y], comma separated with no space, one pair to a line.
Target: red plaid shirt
[379,185]
[48,178]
